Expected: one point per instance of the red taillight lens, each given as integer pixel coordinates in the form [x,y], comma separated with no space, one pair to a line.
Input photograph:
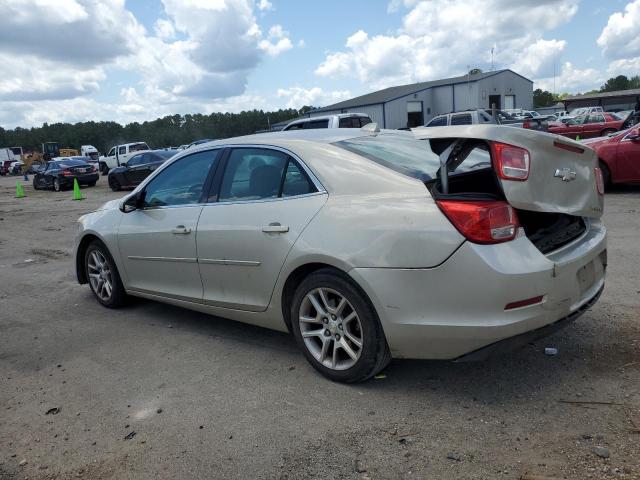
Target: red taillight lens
[482,221]
[511,163]
[599,180]
[67,173]
[524,303]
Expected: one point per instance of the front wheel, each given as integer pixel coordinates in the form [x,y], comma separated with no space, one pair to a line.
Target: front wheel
[103,276]
[337,328]
[114,184]
[103,168]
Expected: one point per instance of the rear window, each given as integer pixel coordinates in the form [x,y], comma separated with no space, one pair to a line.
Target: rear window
[461,119]
[137,147]
[406,155]
[70,163]
[354,122]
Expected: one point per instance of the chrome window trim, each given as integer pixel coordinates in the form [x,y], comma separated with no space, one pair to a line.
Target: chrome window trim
[164,259]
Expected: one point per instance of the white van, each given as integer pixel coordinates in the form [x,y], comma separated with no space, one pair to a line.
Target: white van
[90,151]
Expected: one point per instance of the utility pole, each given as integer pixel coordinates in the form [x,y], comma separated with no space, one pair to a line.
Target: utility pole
[492,48]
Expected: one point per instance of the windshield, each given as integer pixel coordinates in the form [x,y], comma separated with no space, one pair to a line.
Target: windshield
[577,111]
[406,155]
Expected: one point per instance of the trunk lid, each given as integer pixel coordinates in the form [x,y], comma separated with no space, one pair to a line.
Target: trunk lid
[562,177]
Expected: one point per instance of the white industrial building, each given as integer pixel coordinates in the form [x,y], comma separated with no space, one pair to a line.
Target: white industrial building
[415,104]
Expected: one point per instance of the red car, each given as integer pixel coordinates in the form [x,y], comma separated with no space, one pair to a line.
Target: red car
[619,156]
[588,126]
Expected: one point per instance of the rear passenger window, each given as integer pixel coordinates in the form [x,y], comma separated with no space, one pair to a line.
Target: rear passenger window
[461,119]
[259,173]
[365,121]
[349,122]
[316,124]
[438,122]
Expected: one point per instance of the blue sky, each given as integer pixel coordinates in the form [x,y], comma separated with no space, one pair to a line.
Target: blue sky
[135,60]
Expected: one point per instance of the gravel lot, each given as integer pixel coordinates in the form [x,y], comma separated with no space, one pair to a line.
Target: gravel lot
[153,391]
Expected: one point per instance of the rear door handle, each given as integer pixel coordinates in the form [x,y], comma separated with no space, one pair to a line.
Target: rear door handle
[181,230]
[275,227]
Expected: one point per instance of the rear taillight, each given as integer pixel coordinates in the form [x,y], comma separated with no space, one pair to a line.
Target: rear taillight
[599,180]
[511,163]
[67,173]
[482,221]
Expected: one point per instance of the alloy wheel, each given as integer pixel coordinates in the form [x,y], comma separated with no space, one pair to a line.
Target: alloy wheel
[330,328]
[100,275]
[56,184]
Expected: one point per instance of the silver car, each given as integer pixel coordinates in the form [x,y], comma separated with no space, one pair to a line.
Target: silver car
[367,245]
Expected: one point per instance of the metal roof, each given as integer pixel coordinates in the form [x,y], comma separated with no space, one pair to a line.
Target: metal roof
[617,93]
[392,93]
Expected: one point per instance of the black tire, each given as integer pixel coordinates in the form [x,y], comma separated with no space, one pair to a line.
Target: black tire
[114,184]
[118,296]
[35,185]
[104,170]
[606,175]
[91,184]
[374,353]
[57,186]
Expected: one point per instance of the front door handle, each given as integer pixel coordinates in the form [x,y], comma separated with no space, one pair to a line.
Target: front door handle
[275,227]
[181,230]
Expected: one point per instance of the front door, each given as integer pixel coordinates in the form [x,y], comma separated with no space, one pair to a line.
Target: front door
[494,100]
[158,242]
[265,200]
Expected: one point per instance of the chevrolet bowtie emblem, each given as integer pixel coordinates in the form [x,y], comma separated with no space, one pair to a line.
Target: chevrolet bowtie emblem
[565,174]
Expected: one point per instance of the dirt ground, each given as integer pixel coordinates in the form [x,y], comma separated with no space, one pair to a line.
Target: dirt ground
[153,391]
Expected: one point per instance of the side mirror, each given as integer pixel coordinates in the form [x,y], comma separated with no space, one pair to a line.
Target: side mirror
[134,202]
[634,138]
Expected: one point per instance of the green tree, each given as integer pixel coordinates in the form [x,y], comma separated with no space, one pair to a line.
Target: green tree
[621,82]
[475,71]
[543,98]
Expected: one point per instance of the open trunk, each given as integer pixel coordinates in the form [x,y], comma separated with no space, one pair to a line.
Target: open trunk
[551,199]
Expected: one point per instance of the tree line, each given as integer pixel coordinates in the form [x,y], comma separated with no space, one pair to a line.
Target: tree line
[544,98]
[172,130]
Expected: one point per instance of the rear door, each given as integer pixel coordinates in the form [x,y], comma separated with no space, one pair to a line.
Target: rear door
[593,126]
[263,200]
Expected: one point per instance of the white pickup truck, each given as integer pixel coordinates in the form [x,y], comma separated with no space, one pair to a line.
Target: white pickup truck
[120,154]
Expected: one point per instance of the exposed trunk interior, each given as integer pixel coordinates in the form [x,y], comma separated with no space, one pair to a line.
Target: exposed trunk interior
[477,180]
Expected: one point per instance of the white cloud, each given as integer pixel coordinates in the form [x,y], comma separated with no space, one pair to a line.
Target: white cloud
[620,38]
[277,41]
[439,39]
[571,79]
[264,5]
[296,97]
[164,29]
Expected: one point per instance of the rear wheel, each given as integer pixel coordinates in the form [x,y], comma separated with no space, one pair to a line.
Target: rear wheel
[114,184]
[606,174]
[103,276]
[337,329]
[56,185]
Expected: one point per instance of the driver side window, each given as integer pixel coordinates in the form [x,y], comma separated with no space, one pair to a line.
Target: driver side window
[112,152]
[182,182]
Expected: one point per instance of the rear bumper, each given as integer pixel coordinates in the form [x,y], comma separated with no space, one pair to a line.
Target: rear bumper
[458,307]
[513,343]
[82,179]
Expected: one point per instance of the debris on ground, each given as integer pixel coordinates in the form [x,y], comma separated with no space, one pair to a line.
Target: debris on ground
[53,411]
[130,435]
[454,456]
[602,452]
[550,351]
